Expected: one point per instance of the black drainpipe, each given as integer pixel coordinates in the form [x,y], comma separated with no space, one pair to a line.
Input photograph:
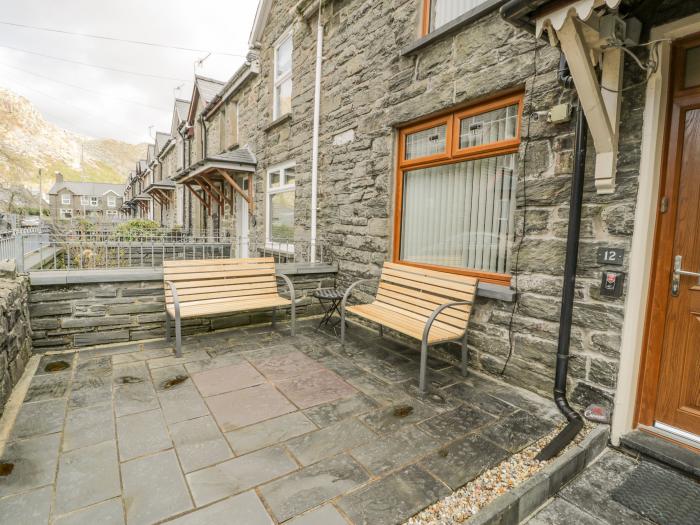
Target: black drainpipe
[575,421]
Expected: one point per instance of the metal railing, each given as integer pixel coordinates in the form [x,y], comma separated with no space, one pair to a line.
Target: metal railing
[147,249]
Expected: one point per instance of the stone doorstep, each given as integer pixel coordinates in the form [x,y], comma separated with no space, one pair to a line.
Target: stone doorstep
[516,505]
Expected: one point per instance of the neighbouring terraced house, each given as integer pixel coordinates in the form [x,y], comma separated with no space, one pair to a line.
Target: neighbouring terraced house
[69,200]
[441,134]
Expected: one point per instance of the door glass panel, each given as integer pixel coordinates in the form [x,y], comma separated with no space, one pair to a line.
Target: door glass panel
[692,67]
[492,126]
[282,216]
[427,142]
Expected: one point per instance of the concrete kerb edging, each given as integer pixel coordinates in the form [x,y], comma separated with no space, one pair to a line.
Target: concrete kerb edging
[516,505]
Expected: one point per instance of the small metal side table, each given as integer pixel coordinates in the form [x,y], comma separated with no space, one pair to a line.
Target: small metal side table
[330,299]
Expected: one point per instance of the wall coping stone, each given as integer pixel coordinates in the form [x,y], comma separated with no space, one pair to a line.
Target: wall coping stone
[43,278]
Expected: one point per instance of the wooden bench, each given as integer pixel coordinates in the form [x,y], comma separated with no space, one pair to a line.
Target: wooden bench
[199,288]
[428,305]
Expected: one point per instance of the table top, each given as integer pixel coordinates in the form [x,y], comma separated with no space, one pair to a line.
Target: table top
[327,293]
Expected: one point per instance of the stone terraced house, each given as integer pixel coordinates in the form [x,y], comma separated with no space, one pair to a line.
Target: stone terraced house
[69,200]
[441,134]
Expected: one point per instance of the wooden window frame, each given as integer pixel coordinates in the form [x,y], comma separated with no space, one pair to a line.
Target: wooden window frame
[425,18]
[452,155]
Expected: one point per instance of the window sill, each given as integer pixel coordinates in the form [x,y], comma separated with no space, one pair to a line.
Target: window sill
[496,291]
[278,121]
[455,25]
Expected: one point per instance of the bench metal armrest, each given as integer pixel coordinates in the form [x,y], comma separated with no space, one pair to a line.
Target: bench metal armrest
[346,296]
[288,282]
[176,301]
[437,312]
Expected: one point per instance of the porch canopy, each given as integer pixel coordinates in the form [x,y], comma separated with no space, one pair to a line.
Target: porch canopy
[215,176]
[143,202]
[591,35]
[161,191]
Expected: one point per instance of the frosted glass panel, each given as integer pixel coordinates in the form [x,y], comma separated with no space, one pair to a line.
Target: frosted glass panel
[492,126]
[443,11]
[282,216]
[692,67]
[460,215]
[426,142]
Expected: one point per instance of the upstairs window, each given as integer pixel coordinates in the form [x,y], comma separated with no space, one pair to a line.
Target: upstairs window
[65,198]
[282,100]
[84,200]
[456,186]
[111,201]
[94,201]
[437,13]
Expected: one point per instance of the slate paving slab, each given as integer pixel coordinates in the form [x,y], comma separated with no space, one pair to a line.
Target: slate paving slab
[239,474]
[393,499]
[244,407]
[315,446]
[380,391]
[285,366]
[130,373]
[182,404]
[269,432]
[326,515]
[154,488]
[44,417]
[214,360]
[134,398]
[517,430]
[88,426]
[29,508]
[226,379]
[170,377]
[329,413]
[476,397]
[399,448]
[243,509]
[86,476]
[34,463]
[141,434]
[52,364]
[392,418]
[456,423]
[315,388]
[561,512]
[199,443]
[110,512]
[47,386]
[312,486]
[91,388]
[463,460]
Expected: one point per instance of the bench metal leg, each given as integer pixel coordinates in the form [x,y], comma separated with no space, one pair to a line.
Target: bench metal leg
[465,352]
[178,335]
[381,331]
[274,317]
[168,327]
[423,366]
[342,325]
[294,318]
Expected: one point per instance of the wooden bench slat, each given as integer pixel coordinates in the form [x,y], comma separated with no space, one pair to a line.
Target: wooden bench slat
[446,276]
[414,287]
[215,275]
[205,262]
[224,281]
[198,310]
[400,323]
[419,319]
[188,298]
[214,266]
[445,316]
[232,300]
[420,281]
[427,300]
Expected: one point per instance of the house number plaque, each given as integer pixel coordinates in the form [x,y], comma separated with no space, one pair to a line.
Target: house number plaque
[611,256]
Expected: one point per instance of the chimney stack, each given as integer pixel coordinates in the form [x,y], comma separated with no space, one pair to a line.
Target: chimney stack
[59,177]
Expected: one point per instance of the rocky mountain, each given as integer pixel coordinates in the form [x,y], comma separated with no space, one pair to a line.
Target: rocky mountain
[29,143]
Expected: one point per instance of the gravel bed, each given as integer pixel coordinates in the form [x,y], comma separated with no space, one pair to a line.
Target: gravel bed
[462,504]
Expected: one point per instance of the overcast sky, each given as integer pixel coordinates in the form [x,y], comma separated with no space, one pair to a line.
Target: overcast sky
[114,104]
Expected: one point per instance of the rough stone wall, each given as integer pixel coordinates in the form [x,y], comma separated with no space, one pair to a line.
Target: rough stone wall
[15,331]
[80,315]
[368,89]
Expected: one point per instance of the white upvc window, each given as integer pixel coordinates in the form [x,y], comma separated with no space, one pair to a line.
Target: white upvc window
[112,201]
[279,213]
[65,198]
[111,213]
[94,201]
[282,97]
[66,213]
[84,200]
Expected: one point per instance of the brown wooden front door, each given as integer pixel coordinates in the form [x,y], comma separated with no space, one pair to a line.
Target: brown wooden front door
[673,345]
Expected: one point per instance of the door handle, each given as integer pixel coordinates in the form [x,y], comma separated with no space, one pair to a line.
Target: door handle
[677,272]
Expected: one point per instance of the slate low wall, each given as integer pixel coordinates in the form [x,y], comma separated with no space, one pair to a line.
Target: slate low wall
[78,309]
[15,332]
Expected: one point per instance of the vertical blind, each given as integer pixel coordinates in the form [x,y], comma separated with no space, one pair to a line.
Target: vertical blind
[443,11]
[460,215]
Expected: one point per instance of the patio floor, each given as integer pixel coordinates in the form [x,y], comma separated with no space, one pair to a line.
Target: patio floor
[252,426]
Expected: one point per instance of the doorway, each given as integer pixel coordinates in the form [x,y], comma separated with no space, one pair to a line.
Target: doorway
[669,394]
